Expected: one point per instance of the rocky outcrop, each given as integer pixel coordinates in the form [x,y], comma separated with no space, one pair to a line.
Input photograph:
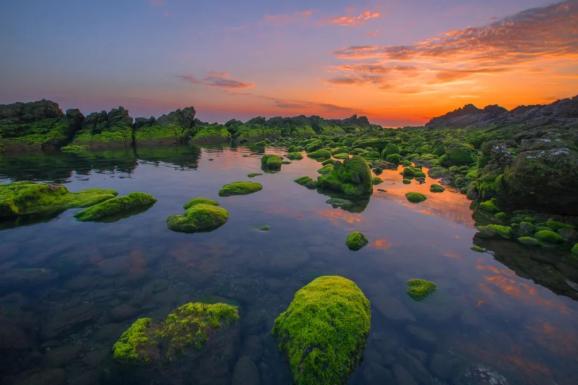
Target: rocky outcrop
[103,129]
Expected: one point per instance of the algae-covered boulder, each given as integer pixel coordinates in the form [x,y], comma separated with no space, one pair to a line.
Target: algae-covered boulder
[324,330]
[240,188]
[415,197]
[351,178]
[117,207]
[529,241]
[549,236]
[270,162]
[187,327]
[495,231]
[307,182]
[418,288]
[436,188]
[355,240]
[294,155]
[30,198]
[201,214]
[320,155]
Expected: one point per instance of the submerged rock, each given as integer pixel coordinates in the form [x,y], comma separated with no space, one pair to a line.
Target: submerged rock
[201,214]
[355,240]
[324,330]
[418,288]
[240,188]
[114,208]
[30,198]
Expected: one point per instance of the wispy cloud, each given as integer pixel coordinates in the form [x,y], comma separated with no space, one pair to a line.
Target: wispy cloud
[217,79]
[288,18]
[501,46]
[301,106]
[354,20]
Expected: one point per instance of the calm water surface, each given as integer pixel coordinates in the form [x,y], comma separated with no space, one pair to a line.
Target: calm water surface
[68,289]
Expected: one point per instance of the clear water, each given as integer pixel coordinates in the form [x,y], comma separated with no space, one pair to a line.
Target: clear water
[68,289]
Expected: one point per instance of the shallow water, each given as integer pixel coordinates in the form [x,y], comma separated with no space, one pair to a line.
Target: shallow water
[68,289]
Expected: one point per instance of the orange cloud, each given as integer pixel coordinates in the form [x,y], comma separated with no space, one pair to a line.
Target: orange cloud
[353,21]
[217,79]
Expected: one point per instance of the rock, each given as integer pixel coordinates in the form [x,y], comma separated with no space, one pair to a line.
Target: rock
[270,162]
[418,288]
[436,188]
[352,178]
[548,236]
[307,182]
[117,208]
[245,372]
[415,197]
[240,188]
[201,214]
[320,155]
[355,240]
[294,156]
[323,331]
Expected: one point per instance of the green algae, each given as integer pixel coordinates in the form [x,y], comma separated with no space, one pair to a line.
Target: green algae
[549,236]
[117,207]
[270,162]
[30,198]
[240,188]
[436,188]
[306,181]
[294,155]
[495,231]
[324,330]
[415,197]
[419,289]
[529,241]
[201,215]
[351,178]
[320,155]
[355,240]
[187,327]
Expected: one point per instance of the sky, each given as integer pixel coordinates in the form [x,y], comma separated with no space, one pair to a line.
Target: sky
[399,62]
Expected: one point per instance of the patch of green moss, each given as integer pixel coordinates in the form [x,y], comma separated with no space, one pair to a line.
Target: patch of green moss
[351,178]
[326,169]
[548,236]
[188,326]
[489,206]
[294,155]
[199,201]
[355,240]
[320,155]
[415,197]
[341,155]
[376,180]
[393,158]
[270,162]
[418,288]
[478,249]
[307,182]
[30,198]
[493,230]
[436,188]
[199,217]
[254,174]
[115,207]
[240,188]
[324,330]
[529,241]
[406,181]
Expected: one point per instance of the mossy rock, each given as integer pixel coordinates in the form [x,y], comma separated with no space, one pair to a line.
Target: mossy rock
[478,249]
[240,188]
[436,188]
[187,327]
[574,250]
[352,178]
[326,169]
[529,241]
[117,207]
[294,156]
[495,231]
[30,198]
[418,288]
[320,155]
[270,162]
[489,206]
[406,181]
[201,214]
[307,182]
[355,240]
[324,330]
[376,180]
[341,155]
[253,174]
[415,197]
[413,172]
[549,236]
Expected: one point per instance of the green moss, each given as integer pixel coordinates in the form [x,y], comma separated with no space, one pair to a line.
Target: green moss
[115,207]
[198,201]
[326,169]
[320,155]
[294,156]
[351,178]
[270,162]
[548,236]
[529,241]
[376,180]
[341,155]
[489,206]
[393,158]
[415,197]
[240,188]
[412,172]
[199,217]
[136,344]
[355,240]
[253,174]
[436,188]
[574,252]
[493,230]
[212,134]
[478,249]
[306,181]
[406,181]
[324,330]
[30,198]
[418,288]
[188,326]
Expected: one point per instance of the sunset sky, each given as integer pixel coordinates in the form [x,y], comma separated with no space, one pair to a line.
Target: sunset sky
[399,62]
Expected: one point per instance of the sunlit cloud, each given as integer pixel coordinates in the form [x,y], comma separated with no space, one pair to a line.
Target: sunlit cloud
[354,20]
[217,79]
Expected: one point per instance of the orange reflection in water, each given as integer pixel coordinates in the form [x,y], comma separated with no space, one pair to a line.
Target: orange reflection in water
[508,283]
[336,216]
[381,244]
[550,337]
[448,204]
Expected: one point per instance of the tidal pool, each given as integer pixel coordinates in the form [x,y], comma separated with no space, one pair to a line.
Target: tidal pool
[68,289]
